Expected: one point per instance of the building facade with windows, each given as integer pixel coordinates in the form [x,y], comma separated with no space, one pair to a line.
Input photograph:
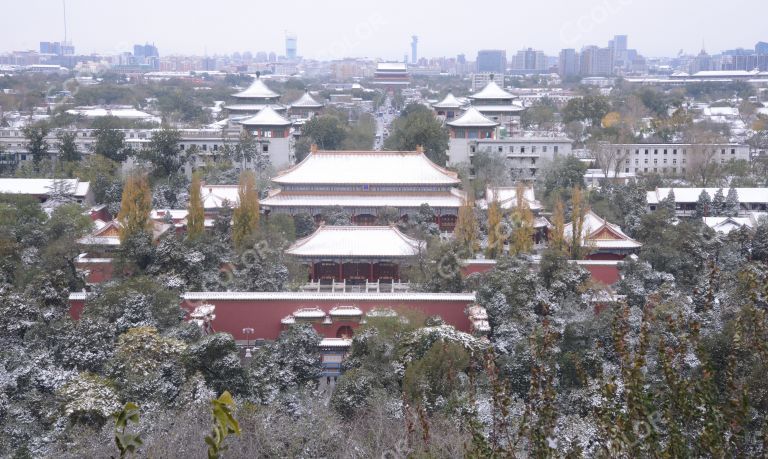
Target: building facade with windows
[668,158]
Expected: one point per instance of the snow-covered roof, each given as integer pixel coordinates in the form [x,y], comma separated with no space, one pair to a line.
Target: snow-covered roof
[491,91]
[598,233]
[507,197]
[453,199]
[449,101]
[356,241]
[345,311]
[691,195]
[381,312]
[109,234]
[266,117]
[309,313]
[43,187]
[472,118]
[368,168]
[213,196]
[119,112]
[335,342]
[306,101]
[254,107]
[327,296]
[257,90]
[392,66]
[728,224]
[511,108]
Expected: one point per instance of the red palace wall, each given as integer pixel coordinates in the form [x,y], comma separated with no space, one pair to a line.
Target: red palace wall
[264,316]
[471,268]
[605,274]
[97,272]
[76,308]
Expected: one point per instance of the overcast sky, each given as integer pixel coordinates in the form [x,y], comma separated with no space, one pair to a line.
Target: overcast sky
[356,28]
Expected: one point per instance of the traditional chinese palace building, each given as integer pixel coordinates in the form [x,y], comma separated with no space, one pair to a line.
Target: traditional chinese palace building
[254,99]
[365,182]
[448,108]
[356,255]
[603,240]
[497,104]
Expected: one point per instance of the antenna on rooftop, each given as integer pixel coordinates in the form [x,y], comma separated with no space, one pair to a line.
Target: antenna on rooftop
[64,3]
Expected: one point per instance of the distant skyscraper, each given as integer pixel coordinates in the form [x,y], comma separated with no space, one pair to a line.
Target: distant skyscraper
[568,63]
[529,61]
[761,48]
[492,61]
[414,49]
[48,47]
[290,47]
[596,61]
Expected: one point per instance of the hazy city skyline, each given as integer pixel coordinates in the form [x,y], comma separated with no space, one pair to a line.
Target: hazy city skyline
[655,28]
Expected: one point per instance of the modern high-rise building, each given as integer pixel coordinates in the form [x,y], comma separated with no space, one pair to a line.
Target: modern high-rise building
[761,47]
[596,61]
[492,61]
[414,49]
[529,61]
[290,47]
[568,63]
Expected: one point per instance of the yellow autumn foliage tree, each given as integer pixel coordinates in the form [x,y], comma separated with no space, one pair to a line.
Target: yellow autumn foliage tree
[135,207]
[196,215]
[467,228]
[522,237]
[496,236]
[557,236]
[245,218]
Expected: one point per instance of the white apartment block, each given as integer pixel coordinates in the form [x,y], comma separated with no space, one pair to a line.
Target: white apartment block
[667,158]
[206,144]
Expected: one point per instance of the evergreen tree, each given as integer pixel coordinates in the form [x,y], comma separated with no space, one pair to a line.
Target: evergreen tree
[703,205]
[68,147]
[304,224]
[760,242]
[196,216]
[37,146]
[718,204]
[466,228]
[579,211]
[496,236]
[135,207]
[245,218]
[337,216]
[163,152]
[110,140]
[732,203]
[669,203]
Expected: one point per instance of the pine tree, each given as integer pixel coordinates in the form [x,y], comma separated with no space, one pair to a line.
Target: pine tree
[718,204]
[196,216]
[522,238]
[579,212]
[245,218]
[760,243]
[496,236]
[669,203]
[557,236]
[135,207]
[703,205]
[466,228]
[732,203]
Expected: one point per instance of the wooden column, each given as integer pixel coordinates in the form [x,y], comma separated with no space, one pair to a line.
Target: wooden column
[312,270]
[370,271]
[341,270]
